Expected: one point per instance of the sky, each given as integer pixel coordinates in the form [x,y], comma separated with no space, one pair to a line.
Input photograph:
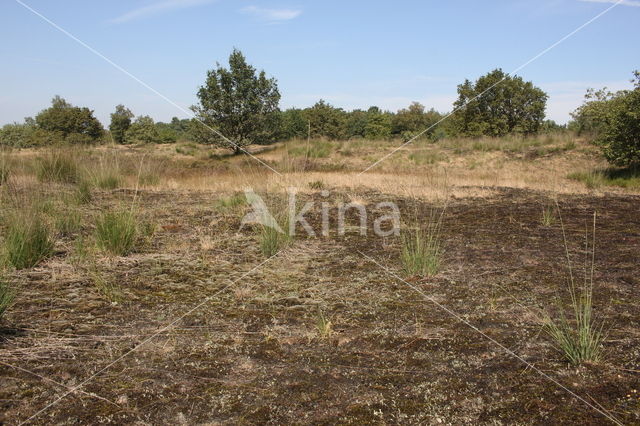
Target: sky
[353,54]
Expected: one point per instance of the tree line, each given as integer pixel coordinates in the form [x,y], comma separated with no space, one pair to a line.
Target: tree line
[239,105]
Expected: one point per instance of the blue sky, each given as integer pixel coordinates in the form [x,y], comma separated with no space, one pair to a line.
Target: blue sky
[351,53]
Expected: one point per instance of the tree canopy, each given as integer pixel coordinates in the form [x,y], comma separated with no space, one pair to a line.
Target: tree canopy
[498,104]
[66,120]
[239,102]
[613,119]
[120,122]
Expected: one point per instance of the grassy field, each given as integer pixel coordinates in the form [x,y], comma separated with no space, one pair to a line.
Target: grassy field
[136,295]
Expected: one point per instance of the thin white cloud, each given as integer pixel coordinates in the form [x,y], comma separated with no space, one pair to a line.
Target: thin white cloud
[156,8]
[634,3]
[271,15]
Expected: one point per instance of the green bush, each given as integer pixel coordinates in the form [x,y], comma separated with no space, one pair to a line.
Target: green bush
[116,232]
[614,120]
[28,240]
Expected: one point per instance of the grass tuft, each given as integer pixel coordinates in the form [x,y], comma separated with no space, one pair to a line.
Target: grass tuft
[275,236]
[231,202]
[28,239]
[57,166]
[548,216]
[116,232]
[422,247]
[83,193]
[68,222]
[324,326]
[576,334]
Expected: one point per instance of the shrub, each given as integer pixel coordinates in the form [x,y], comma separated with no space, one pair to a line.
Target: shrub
[57,166]
[116,232]
[28,240]
[422,248]
[142,130]
[65,119]
[614,120]
[25,135]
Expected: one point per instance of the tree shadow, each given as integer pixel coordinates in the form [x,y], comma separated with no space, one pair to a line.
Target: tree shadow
[626,173]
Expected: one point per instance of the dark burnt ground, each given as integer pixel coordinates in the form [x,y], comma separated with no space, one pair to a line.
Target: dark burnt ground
[252,354]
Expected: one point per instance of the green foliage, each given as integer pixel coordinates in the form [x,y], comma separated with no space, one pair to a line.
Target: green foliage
[28,239]
[120,123]
[166,133]
[422,247]
[142,130]
[116,232]
[498,104]
[293,124]
[6,295]
[27,135]
[57,166]
[240,103]
[326,120]
[378,124]
[64,119]
[355,124]
[409,122]
[614,121]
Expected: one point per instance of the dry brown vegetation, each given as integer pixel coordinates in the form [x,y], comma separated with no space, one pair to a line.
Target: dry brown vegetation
[194,324]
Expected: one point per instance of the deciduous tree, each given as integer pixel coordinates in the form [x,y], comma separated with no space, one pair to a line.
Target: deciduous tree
[498,104]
